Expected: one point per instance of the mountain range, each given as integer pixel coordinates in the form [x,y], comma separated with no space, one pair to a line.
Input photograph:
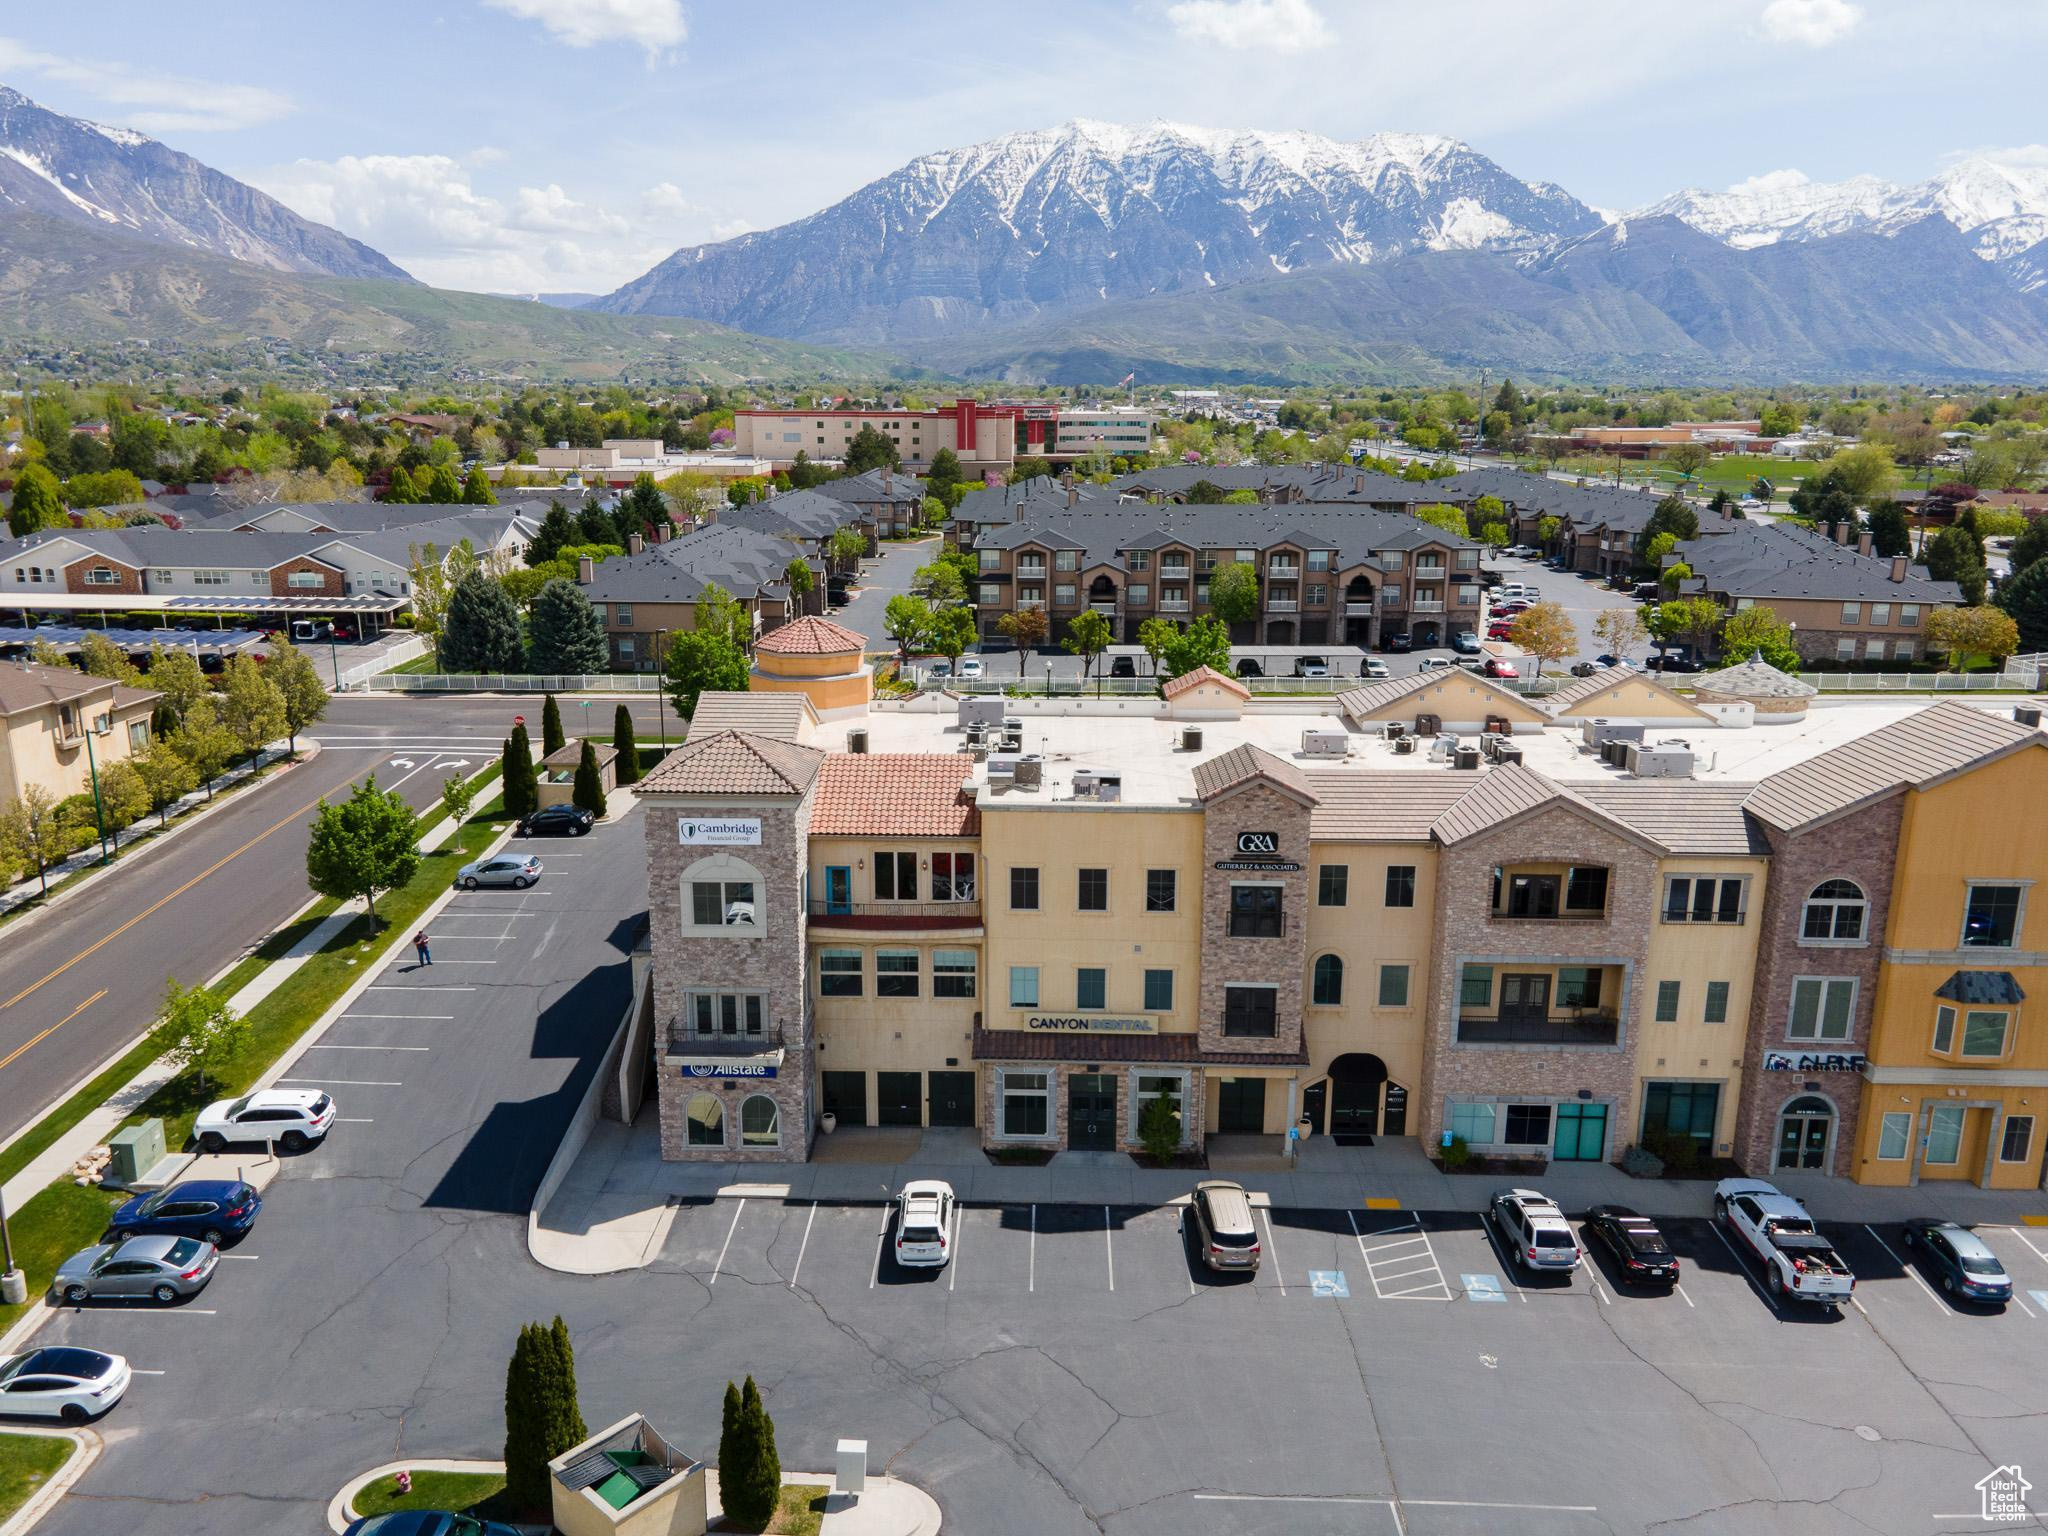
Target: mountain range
[1080,253]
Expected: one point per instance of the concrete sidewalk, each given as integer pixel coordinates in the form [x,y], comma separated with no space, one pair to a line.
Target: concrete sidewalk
[615,1205]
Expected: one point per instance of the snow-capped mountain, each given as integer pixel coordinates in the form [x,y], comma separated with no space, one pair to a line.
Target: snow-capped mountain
[2002,207]
[1057,219]
[119,180]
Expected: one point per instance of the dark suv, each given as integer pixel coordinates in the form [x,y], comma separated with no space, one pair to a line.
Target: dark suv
[213,1210]
[557,821]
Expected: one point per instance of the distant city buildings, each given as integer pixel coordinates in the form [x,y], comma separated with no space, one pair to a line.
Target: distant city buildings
[987,439]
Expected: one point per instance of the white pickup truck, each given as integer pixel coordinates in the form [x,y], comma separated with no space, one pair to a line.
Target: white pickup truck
[1798,1262]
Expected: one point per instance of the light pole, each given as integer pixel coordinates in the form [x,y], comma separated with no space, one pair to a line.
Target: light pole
[99,815]
[13,1283]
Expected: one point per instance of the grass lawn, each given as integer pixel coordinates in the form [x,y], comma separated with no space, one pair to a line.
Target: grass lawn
[460,1491]
[431,663]
[799,1512]
[28,1462]
[65,1217]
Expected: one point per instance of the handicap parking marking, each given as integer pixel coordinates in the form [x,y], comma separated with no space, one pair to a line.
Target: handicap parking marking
[1328,1283]
[1482,1288]
[1401,1262]
[2040,1300]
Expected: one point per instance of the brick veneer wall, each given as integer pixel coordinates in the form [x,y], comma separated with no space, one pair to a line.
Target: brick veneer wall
[1465,931]
[280,579]
[1256,808]
[1194,1103]
[773,963]
[1861,846]
[127,578]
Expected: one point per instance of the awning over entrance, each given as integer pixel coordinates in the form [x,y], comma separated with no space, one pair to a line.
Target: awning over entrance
[1032,1045]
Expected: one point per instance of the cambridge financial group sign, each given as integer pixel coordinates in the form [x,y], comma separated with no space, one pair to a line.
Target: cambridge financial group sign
[719,832]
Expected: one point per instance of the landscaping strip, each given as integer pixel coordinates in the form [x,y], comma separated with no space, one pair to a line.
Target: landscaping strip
[463,1492]
[27,1463]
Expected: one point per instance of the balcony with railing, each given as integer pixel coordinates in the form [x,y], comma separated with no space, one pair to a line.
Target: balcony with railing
[962,911]
[1550,894]
[1354,610]
[1030,602]
[1281,605]
[685,1041]
[1174,570]
[1578,1026]
[1429,570]
[1426,605]
[1105,607]
[1282,570]
[1173,605]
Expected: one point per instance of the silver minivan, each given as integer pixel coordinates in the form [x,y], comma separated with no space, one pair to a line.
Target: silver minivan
[1223,1225]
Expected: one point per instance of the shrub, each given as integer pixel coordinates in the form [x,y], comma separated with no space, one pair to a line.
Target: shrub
[1159,1128]
[1456,1153]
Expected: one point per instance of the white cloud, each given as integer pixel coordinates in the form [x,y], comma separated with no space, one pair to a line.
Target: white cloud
[1814,23]
[656,26]
[153,103]
[1276,26]
[1769,182]
[425,213]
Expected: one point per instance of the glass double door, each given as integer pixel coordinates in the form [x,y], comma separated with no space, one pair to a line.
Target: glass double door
[1581,1133]
[1091,1112]
[1803,1131]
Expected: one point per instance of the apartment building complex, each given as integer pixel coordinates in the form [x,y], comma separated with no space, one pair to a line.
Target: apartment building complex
[987,439]
[1036,923]
[1327,574]
[46,714]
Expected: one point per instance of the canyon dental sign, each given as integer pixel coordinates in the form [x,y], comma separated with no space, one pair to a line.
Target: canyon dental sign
[1092,1024]
[723,832]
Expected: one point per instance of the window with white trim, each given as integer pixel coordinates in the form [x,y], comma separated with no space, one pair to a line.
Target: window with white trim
[724,1015]
[896,972]
[760,1122]
[1893,1132]
[839,973]
[1823,1008]
[1471,1123]
[1834,914]
[953,972]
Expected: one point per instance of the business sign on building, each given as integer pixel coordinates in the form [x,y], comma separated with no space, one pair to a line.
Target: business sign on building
[728,1069]
[1258,845]
[1092,1024]
[721,832]
[1814,1061]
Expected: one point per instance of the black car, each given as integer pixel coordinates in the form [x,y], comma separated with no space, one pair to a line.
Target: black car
[1673,662]
[1246,667]
[1583,669]
[428,1522]
[1400,645]
[1123,666]
[557,821]
[1632,1240]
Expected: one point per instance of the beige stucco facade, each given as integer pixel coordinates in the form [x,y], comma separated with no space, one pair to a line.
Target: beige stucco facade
[46,715]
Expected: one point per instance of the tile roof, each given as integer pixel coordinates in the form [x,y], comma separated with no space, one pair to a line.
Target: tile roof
[1381,806]
[1053,1045]
[1242,764]
[734,763]
[1754,679]
[785,716]
[1187,680]
[1682,815]
[1362,701]
[895,794]
[1914,752]
[1510,791]
[811,636]
[1580,689]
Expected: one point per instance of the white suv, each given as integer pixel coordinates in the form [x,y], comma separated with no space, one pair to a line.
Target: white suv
[924,1215]
[1533,1229]
[291,1118]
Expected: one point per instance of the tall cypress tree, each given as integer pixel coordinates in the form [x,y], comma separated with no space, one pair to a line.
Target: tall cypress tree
[588,790]
[733,1449]
[521,786]
[623,742]
[551,737]
[751,1496]
[526,1457]
[566,1427]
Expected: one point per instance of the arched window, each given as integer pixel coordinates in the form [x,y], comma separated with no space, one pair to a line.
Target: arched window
[1327,986]
[1835,912]
[760,1122]
[707,1120]
[723,894]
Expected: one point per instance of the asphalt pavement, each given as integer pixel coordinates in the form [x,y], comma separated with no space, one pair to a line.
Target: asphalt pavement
[83,980]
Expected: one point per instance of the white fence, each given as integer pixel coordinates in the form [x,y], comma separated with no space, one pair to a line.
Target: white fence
[410,649]
[513,682]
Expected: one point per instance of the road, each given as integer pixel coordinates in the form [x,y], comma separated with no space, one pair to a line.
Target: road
[83,980]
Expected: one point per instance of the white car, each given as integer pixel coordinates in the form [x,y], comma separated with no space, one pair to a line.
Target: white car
[1376,668]
[61,1382]
[924,1215]
[1436,664]
[292,1118]
[970,666]
[1533,1230]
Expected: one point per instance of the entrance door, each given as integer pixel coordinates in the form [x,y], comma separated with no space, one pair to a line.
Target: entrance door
[899,1098]
[1091,1112]
[952,1098]
[1524,1000]
[839,889]
[1241,1106]
[1355,1080]
[1803,1131]
[1581,1133]
[846,1095]
[1313,1100]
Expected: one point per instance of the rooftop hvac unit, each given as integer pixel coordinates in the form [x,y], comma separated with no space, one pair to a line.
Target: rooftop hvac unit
[1594,732]
[857,739]
[1316,743]
[1029,771]
[1191,738]
[1615,752]
[1109,786]
[1508,753]
[1498,724]
[1466,757]
[980,711]
[1395,730]
[1404,744]
[1665,760]
[1427,725]
[2027,714]
[1002,769]
[1084,783]
[976,735]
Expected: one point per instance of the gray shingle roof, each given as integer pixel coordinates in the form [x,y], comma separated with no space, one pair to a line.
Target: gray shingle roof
[746,563]
[807,514]
[1763,561]
[151,547]
[1914,752]
[1982,987]
[1104,529]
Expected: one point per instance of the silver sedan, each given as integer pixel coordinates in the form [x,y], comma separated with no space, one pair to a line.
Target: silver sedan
[164,1268]
[518,870]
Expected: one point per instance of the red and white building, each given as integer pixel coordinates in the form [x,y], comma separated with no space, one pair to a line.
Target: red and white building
[987,439]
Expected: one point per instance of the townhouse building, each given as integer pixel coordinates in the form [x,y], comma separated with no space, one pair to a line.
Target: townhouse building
[46,714]
[1327,575]
[652,591]
[1035,923]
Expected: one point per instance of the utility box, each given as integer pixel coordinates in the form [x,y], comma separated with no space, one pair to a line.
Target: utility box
[850,1471]
[137,1149]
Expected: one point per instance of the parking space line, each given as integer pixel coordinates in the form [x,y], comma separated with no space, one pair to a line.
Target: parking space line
[245,1258]
[136,1370]
[1911,1273]
[1401,1261]
[1681,1292]
[465,962]
[436,1016]
[953,1279]
[1744,1268]
[881,1238]
[398,987]
[1279,1273]
[1109,1246]
[1031,1275]
[341,1082]
[800,1247]
[2022,1236]
[1859,1306]
[341,1120]
[1182,1229]
[720,1264]
[1600,1292]
[1553,1509]
[317,1047]
[1507,1269]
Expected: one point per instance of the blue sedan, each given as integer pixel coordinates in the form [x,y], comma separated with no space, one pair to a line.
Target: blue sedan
[1959,1260]
[214,1210]
[428,1522]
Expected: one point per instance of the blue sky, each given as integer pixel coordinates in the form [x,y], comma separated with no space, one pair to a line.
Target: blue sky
[510,145]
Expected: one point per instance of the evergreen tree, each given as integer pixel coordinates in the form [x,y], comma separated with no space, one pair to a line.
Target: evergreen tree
[871,449]
[594,525]
[526,1456]
[628,770]
[551,737]
[476,490]
[1889,532]
[753,1495]
[588,791]
[480,631]
[521,784]
[943,478]
[1673,515]
[1955,555]
[568,635]
[2025,598]
[38,503]
[732,1442]
[566,1427]
[2031,544]
[642,507]
[557,529]
[441,488]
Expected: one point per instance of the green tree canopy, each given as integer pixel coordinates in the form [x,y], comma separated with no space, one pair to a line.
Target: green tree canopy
[1204,643]
[626,744]
[699,661]
[518,782]
[2025,598]
[476,489]
[1673,515]
[38,502]
[567,634]
[1758,631]
[441,488]
[1954,554]
[1088,636]
[367,844]
[557,530]
[551,736]
[178,677]
[1442,515]
[588,790]
[196,1028]
[2030,545]
[1890,534]
[481,630]
[907,620]
[871,449]
[251,705]
[1234,592]
[643,508]
[1826,500]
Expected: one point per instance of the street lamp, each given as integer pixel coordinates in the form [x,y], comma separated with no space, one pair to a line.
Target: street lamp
[98,814]
[13,1283]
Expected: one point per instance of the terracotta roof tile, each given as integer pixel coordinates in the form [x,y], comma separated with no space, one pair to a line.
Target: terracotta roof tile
[1187,680]
[895,794]
[811,636]
[785,716]
[1240,765]
[734,763]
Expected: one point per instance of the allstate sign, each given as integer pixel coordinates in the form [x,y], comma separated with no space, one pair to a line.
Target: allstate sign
[728,1069]
[721,831]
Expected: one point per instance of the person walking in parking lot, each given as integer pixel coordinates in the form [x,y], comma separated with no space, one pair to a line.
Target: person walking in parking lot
[419,944]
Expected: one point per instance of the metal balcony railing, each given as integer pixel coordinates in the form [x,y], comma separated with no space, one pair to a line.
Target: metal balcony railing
[683,1041]
[1585,1026]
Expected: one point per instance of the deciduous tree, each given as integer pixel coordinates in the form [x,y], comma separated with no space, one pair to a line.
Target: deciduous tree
[366,844]
[1621,630]
[1758,631]
[1204,643]
[167,776]
[1546,632]
[177,676]
[298,687]
[871,449]
[1966,632]
[1088,636]
[39,837]
[1026,628]
[100,657]
[203,740]
[38,502]
[699,661]
[1234,592]
[197,1029]
[251,706]
[908,621]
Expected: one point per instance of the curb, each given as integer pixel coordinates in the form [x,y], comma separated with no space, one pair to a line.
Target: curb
[340,1506]
[88,1450]
[162,839]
